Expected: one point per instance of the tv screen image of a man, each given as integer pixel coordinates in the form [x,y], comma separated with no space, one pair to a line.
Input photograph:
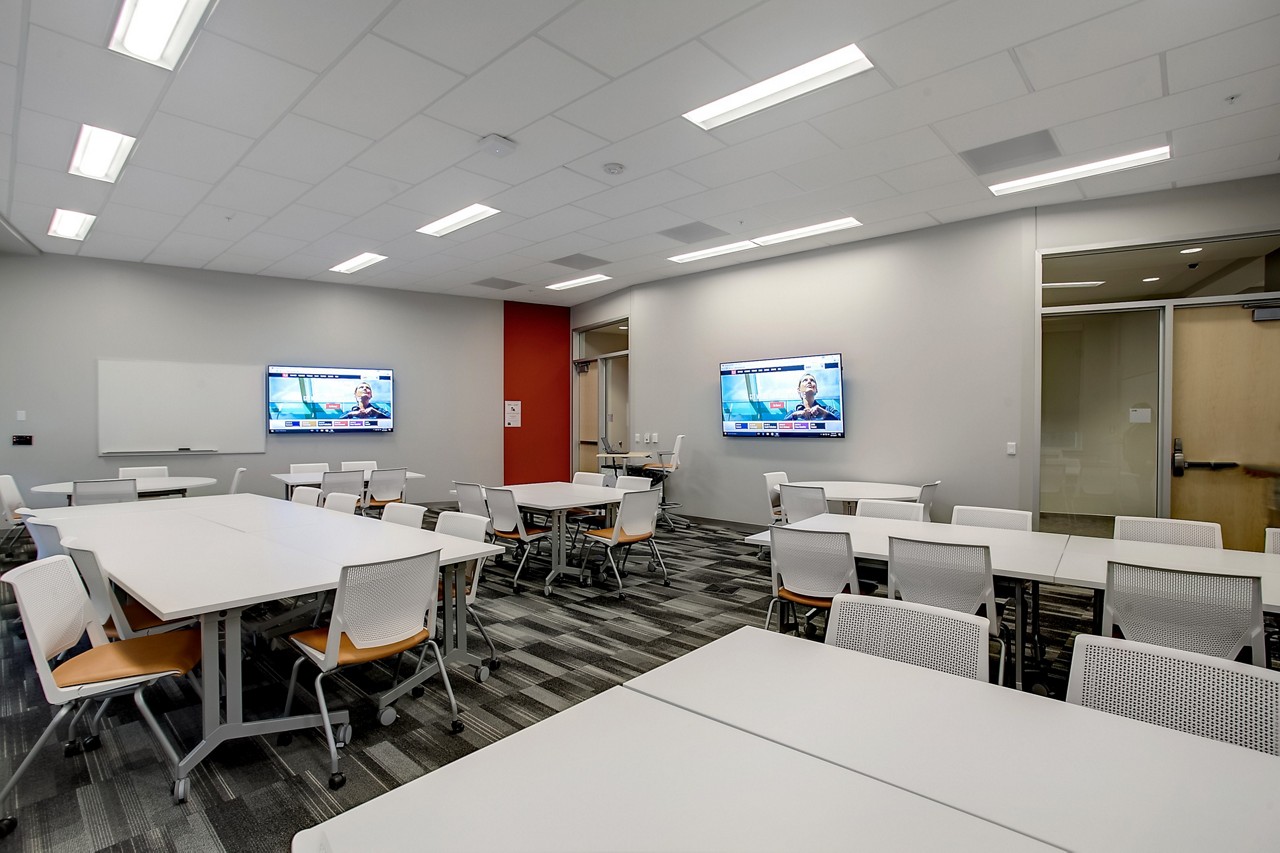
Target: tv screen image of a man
[810,408]
[364,407]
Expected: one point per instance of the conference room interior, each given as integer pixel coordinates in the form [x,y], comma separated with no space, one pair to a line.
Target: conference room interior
[962,364]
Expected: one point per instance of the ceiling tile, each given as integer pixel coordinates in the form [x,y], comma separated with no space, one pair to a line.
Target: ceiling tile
[556,249]
[188,250]
[38,186]
[643,246]
[1128,34]
[84,83]
[220,222]
[894,152]
[671,85]
[465,36]
[1088,96]
[619,229]
[1264,153]
[416,150]
[126,221]
[310,33]
[404,83]
[410,245]
[352,192]
[150,190]
[231,262]
[849,197]
[744,194]
[922,201]
[11,32]
[46,141]
[449,191]
[1224,56]
[923,176]
[304,223]
[519,88]
[553,223]
[182,147]
[546,192]
[8,97]
[487,246]
[269,247]
[304,150]
[541,147]
[234,87]
[649,191]
[387,222]
[770,153]
[256,192]
[91,23]
[616,36]
[653,150]
[116,247]
[1240,127]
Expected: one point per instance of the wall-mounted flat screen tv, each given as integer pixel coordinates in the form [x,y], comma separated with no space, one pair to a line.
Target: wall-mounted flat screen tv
[795,397]
[329,399]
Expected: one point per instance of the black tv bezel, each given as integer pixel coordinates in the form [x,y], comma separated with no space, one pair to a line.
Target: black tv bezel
[785,434]
[275,369]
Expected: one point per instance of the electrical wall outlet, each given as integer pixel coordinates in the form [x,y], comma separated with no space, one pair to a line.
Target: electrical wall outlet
[647,439]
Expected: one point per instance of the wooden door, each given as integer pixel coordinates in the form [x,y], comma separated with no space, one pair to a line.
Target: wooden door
[1226,408]
[589,418]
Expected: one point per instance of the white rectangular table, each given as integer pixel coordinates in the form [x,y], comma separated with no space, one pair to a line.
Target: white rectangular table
[213,557]
[557,499]
[643,775]
[1101,782]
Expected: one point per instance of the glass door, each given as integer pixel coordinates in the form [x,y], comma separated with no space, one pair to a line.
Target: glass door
[603,396]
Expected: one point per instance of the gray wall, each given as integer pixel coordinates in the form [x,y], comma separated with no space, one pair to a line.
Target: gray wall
[61,314]
[940,333]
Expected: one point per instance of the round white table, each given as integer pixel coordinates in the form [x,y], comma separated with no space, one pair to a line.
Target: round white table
[849,492]
[149,486]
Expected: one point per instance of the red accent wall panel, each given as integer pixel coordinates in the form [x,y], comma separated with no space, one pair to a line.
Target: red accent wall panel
[536,371]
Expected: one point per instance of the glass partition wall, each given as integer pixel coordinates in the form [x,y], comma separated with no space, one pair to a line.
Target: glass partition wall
[602,395]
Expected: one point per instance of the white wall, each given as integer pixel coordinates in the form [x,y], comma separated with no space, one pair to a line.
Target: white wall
[61,314]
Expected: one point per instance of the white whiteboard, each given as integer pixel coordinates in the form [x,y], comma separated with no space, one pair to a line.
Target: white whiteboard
[176,407]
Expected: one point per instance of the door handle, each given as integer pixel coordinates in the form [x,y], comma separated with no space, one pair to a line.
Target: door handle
[1179,462]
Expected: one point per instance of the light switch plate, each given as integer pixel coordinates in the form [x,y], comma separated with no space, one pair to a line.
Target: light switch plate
[1011,449]
[655,438]
[637,438]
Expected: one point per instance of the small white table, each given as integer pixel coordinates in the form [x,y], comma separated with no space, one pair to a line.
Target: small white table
[212,557]
[149,486]
[557,499]
[292,481]
[849,492]
[1104,783]
[685,782]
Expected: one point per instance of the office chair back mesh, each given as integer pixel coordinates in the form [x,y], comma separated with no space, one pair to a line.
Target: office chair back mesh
[90,492]
[471,498]
[1169,531]
[987,516]
[801,502]
[955,577]
[347,482]
[901,510]
[917,634]
[812,563]
[382,603]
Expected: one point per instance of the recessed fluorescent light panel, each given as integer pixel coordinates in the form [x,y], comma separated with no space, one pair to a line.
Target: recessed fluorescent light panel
[1149,280]
[808,231]
[1190,251]
[1102,167]
[578,282]
[1072,283]
[70,224]
[467,216]
[845,62]
[100,153]
[359,262]
[712,252]
[156,31]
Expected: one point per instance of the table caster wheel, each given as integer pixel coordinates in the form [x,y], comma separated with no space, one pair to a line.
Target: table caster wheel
[418,692]
[456,727]
[482,674]
[71,749]
[622,596]
[810,630]
[666,583]
[495,665]
[181,787]
[89,743]
[336,781]
[7,825]
[284,739]
[515,589]
[342,736]
[546,592]
[387,715]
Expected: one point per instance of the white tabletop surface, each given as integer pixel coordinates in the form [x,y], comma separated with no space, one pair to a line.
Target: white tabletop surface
[183,558]
[625,454]
[1084,563]
[1014,553]
[1072,776]
[316,478]
[851,491]
[554,496]
[622,771]
[145,484]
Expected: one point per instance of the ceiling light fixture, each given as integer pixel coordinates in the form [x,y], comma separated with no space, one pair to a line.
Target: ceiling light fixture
[712,252]
[807,231]
[1153,278]
[359,262]
[623,328]
[1101,167]
[1191,251]
[71,224]
[837,65]
[461,219]
[156,31]
[1072,283]
[578,282]
[100,153]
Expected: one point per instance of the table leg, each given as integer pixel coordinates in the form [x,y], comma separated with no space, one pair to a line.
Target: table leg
[558,547]
[1018,618]
[1098,595]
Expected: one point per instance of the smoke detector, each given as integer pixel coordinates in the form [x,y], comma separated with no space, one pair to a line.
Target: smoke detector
[498,146]
[614,168]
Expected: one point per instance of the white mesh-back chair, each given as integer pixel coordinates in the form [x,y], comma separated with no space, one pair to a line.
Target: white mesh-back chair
[308,495]
[633,484]
[121,620]
[660,472]
[588,478]
[801,502]
[379,611]
[45,536]
[386,486]
[509,527]
[235,481]
[810,568]
[988,516]
[1169,531]
[308,467]
[475,528]
[1177,689]
[1205,613]
[900,510]
[927,492]
[347,482]
[57,613]
[342,502]
[11,501]
[367,466]
[918,634]
[772,480]
[1272,542]
[409,515]
[954,577]
[583,516]
[636,523]
[471,498]
[89,492]
[143,471]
